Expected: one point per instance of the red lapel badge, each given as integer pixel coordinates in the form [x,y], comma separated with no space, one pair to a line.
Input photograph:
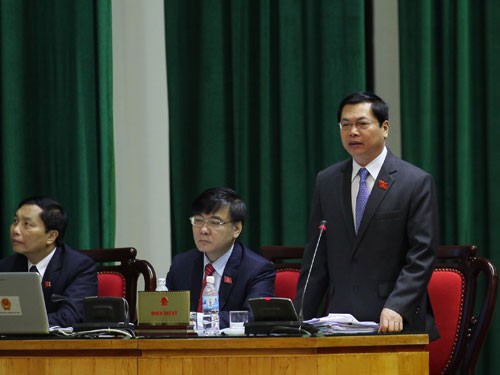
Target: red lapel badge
[383,185]
[47,284]
[228,279]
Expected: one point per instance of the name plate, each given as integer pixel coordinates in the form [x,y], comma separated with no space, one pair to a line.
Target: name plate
[163,308]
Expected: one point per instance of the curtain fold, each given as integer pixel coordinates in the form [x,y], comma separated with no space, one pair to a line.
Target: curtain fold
[56,113]
[253,92]
[450,56]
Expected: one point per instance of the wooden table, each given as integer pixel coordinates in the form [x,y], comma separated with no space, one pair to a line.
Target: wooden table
[374,354]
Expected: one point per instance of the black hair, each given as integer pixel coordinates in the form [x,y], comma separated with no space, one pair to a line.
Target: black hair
[379,108]
[211,200]
[52,215]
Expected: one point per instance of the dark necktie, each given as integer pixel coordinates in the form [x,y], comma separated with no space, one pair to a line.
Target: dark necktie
[34,269]
[209,270]
[362,198]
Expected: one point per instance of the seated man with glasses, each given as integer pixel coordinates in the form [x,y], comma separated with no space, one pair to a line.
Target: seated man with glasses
[218,215]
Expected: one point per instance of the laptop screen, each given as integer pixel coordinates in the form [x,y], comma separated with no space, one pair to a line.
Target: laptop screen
[22,307]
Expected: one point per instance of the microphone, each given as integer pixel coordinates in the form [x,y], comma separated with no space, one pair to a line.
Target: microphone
[99,312]
[322,228]
[60,298]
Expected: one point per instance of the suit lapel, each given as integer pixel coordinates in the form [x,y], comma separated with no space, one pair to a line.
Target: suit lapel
[346,203]
[51,274]
[197,272]
[230,275]
[381,188]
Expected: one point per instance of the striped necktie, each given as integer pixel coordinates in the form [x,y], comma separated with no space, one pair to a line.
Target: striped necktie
[209,270]
[362,198]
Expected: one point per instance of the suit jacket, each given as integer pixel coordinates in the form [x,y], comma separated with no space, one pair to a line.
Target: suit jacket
[247,275]
[389,262]
[69,273]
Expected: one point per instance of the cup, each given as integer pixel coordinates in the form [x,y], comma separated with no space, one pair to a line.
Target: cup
[237,320]
[194,320]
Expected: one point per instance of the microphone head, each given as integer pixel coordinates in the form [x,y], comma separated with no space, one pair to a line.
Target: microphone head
[322,224]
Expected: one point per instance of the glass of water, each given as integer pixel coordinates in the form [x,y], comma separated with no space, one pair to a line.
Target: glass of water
[237,320]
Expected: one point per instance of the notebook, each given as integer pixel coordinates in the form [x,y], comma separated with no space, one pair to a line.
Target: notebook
[22,307]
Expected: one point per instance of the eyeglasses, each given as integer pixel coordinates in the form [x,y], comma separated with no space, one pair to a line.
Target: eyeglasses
[197,221]
[360,124]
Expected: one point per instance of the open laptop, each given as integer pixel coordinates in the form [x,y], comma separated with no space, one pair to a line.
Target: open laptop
[22,307]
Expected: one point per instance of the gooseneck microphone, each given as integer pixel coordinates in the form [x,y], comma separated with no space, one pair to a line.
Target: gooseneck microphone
[60,298]
[322,228]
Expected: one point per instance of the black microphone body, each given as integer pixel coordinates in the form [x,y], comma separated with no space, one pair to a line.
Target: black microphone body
[322,228]
[99,312]
[60,298]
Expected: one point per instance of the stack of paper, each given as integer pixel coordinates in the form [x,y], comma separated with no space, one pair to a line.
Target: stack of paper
[342,323]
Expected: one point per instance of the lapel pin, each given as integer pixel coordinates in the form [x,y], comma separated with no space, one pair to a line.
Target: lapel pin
[228,279]
[382,184]
[47,284]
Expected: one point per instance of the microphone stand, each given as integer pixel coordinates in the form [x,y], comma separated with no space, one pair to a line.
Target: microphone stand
[322,228]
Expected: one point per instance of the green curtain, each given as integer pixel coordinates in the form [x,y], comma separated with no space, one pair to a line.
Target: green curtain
[450,59]
[253,93]
[56,134]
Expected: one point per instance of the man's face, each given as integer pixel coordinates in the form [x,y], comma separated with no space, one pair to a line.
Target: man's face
[364,145]
[27,233]
[216,240]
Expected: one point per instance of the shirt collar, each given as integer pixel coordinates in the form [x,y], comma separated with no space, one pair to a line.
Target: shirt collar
[220,263]
[41,266]
[373,167]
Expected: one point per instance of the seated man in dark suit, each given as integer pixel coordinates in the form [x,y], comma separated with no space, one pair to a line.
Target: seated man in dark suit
[37,236]
[240,274]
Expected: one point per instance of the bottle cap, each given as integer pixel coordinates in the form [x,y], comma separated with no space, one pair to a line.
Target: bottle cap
[211,279]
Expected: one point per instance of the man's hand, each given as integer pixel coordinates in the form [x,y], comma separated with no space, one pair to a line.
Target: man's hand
[390,321]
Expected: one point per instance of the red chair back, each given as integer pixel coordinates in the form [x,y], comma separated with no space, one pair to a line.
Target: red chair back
[287,261]
[285,285]
[446,292]
[111,284]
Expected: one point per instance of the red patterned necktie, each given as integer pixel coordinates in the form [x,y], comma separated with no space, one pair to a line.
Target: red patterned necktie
[209,270]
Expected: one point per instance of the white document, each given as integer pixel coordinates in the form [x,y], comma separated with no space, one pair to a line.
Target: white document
[342,323]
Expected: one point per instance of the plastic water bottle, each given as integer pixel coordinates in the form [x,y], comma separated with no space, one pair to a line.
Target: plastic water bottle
[210,300]
[161,284]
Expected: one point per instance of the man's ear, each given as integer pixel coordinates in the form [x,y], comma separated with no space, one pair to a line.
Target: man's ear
[238,227]
[52,236]
[386,127]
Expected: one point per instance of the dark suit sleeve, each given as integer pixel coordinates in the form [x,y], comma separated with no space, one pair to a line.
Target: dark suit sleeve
[260,284]
[80,282]
[422,229]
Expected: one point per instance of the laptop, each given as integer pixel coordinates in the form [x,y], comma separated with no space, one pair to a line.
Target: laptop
[22,307]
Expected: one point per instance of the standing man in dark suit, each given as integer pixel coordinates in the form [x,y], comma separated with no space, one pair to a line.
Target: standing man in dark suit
[37,236]
[218,215]
[377,269]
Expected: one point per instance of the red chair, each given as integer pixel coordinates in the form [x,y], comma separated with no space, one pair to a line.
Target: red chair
[286,259]
[453,290]
[118,273]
